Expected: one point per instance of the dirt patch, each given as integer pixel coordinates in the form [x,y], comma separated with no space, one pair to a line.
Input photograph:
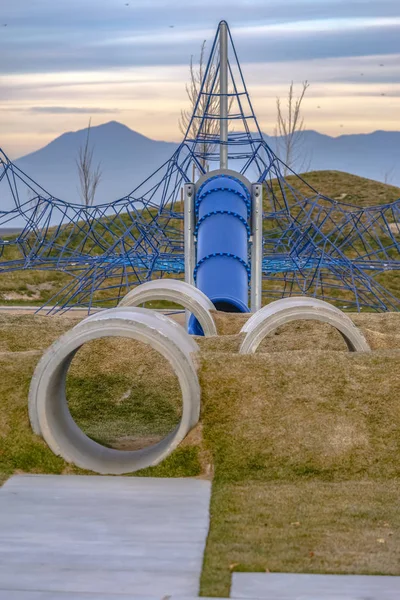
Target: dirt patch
[16,296]
[134,443]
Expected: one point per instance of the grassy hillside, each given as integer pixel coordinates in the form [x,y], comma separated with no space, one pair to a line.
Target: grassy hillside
[38,287]
[347,188]
[302,438]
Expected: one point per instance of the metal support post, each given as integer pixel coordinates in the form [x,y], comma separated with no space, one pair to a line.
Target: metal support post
[223,90]
[256,247]
[189,239]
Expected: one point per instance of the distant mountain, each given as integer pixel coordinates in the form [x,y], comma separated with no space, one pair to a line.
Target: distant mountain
[128,157]
[374,155]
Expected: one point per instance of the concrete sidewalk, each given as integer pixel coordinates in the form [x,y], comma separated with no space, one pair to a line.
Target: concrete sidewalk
[88,536]
[292,586]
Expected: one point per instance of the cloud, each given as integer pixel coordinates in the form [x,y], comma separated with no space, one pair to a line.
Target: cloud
[58,110]
[278,44]
[64,60]
[50,36]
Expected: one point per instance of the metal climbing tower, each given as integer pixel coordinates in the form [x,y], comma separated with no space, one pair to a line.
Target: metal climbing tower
[311,245]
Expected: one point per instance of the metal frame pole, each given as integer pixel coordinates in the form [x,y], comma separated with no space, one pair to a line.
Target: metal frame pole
[223,98]
[189,246]
[256,247]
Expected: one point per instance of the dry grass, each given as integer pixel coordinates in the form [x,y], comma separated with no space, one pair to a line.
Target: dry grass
[31,287]
[120,392]
[123,392]
[326,415]
[19,333]
[303,437]
[302,527]
[310,437]
[347,188]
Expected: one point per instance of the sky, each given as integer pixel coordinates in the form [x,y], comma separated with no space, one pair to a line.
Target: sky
[63,62]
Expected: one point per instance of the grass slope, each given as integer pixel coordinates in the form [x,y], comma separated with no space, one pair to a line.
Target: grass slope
[301,527]
[121,393]
[303,437]
[347,188]
[305,449]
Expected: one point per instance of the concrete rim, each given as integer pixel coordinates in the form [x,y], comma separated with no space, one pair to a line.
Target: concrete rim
[278,313]
[186,341]
[47,392]
[289,301]
[180,292]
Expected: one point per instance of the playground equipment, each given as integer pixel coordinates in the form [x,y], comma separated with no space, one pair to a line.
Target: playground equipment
[179,292]
[219,220]
[311,245]
[269,318]
[48,407]
[221,258]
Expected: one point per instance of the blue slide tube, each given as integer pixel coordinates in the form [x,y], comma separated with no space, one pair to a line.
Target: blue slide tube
[222,212]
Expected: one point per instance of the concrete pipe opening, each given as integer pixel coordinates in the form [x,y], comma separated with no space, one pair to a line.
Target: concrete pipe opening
[269,318]
[48,389]
[178,292]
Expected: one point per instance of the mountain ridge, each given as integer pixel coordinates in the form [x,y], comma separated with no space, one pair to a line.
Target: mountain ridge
[127,157]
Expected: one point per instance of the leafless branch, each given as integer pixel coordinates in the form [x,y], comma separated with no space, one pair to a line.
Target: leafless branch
[388,175]
[290,128]
[89,175]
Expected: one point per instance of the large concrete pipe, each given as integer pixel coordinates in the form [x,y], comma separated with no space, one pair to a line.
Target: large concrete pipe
[49,411]
[278,313]
[222,208]
[181,293]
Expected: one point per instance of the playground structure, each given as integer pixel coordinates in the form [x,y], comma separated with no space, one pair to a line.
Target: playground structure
[310,246]
[48,406]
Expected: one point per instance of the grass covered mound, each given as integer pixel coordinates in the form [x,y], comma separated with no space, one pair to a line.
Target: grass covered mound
[326,415]
[305,447]
[22,333]
[120,392]
[347,188]
[303,436]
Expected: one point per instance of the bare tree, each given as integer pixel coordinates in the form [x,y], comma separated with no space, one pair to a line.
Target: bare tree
[290,128]
[388,175]
[208,105]
[89,175]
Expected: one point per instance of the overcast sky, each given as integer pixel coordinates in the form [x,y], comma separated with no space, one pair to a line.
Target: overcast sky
[64,61]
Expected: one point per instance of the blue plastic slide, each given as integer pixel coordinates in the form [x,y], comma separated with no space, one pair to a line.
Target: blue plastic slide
[222,213]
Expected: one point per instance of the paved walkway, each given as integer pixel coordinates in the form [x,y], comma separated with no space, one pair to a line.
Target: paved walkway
[86,537]
[287,586]
[111,538]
